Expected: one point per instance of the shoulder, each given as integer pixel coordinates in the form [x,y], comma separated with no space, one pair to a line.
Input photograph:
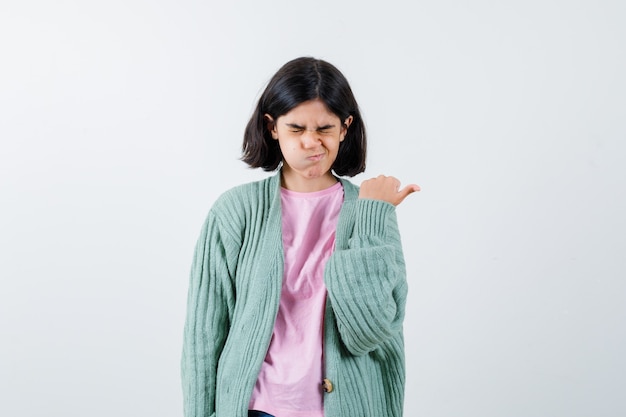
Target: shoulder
[240,206]
[350,190]
[237,208]
[246,195]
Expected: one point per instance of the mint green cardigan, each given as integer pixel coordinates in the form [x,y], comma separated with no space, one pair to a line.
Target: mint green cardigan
[234,291]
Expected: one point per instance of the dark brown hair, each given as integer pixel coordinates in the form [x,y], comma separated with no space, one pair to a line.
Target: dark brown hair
[300,80]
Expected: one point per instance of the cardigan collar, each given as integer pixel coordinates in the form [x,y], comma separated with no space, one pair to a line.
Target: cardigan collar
[351,191]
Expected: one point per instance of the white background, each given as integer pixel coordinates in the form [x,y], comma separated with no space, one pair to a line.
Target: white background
[121,122]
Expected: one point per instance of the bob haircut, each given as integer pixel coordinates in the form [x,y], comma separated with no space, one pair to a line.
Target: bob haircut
[300,80]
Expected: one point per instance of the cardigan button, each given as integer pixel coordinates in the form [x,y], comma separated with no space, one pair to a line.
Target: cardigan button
[327,385]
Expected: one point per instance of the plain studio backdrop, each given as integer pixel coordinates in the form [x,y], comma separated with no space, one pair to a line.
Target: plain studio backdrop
[121,122]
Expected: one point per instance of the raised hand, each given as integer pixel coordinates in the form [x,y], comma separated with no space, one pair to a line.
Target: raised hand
[386,189]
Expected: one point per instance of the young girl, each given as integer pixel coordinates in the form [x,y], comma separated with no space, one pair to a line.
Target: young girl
[298,286]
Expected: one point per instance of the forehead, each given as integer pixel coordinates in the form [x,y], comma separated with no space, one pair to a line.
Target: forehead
[312,112]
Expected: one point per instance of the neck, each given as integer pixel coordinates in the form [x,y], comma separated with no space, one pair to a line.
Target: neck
[306,185]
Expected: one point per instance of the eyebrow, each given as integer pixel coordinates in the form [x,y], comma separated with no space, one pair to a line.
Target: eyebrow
[297,126]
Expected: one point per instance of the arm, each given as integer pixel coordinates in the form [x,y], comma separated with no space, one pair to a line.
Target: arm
[366,281]
[209,304]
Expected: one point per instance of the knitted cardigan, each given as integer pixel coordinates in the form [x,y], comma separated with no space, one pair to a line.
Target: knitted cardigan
[234,293]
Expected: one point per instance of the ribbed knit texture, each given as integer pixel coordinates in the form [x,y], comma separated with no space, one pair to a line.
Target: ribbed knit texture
[233,300]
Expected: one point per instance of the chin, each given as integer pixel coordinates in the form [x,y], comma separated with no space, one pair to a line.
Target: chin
[317,172]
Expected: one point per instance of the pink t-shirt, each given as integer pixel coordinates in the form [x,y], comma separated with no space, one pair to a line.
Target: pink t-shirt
[289,384]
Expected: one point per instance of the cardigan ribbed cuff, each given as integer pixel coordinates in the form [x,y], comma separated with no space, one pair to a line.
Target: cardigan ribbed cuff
[371,217]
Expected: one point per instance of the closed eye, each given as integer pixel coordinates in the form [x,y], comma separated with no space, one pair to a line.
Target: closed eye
[294,128]
[325,130]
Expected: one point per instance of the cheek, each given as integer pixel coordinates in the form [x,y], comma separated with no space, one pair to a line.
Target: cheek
[286,147]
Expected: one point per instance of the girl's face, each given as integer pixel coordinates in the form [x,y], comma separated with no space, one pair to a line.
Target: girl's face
[309,137]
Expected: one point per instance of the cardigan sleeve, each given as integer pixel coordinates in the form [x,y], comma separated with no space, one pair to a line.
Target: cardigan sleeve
[209,307]
[366,281]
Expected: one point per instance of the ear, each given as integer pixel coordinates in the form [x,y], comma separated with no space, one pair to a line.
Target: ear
[345,126]
[271,125]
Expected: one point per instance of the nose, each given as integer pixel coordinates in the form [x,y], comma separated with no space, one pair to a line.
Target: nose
[310,139]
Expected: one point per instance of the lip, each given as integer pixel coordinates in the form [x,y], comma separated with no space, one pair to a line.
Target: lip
[315,157]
